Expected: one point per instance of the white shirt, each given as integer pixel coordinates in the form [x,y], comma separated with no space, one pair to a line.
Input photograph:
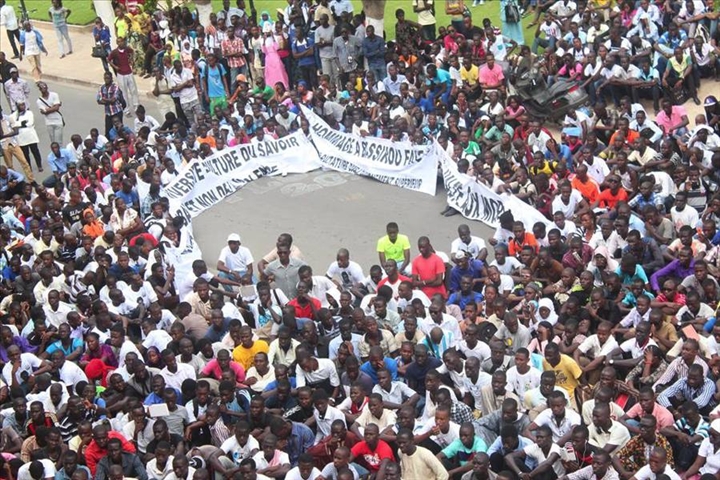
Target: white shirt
[48,472]
[712,458]
[28,363]
[398,393]
[158,339]
[535,452]
[238,261]
[43,104]
[188,94]
[569,210]
[59,316]
[646,474]
[636,351]
[570,420]
[71,374]
[481,350]
[618,435]
[349,275]
[238,452]
[175,380]
[8,19]
[261,462]
[448,324]
[473,248]
[520,383]
[592,346]
[326,370]
[294,474]
[324,422]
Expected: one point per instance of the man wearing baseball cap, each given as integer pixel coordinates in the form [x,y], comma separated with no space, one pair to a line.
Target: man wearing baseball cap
[235,261]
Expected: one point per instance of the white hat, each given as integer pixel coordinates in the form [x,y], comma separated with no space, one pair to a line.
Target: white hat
[234,237]
[459,255]
[715,425]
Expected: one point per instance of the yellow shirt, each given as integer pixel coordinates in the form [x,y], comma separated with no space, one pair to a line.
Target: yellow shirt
[394,251]
[567,373]
[246,356]
[470,77]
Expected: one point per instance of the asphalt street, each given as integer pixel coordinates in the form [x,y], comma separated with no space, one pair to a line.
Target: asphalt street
[324,211]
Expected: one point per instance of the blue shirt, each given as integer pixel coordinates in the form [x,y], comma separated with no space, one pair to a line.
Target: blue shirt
[301,440]
[374,51]
[461,301]
[390,365]
[442,76]
[214,76]
[129,198]
[12,176]
[298,48]
[59,164]
[474,270]
[37,33]
[57,345]
[102,35]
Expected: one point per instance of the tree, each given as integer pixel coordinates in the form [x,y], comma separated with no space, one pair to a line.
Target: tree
[375,14]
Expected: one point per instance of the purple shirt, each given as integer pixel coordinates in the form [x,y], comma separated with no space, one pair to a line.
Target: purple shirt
[672,269]
[21,343]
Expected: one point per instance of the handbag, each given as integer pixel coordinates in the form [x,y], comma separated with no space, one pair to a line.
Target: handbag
[98,51]
[512,13]
[48,105]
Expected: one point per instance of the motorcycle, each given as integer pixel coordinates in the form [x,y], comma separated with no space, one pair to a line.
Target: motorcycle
[548,103]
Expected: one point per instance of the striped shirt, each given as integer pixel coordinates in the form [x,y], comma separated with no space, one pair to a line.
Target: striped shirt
[701,396]
[108,92]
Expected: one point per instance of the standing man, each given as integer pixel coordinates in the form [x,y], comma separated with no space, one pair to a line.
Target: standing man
[8,19]
[109,97]
[216,86]
[347,49]
[182,81]
[324,37]
[121,61]
[233,49]
[426,17]
[11,148]
[31,45]
[49,104]
[17,89]
[373,48]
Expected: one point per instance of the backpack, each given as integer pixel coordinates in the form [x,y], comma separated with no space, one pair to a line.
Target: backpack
[121,99]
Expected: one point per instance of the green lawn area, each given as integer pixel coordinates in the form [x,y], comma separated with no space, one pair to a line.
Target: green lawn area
[83,13]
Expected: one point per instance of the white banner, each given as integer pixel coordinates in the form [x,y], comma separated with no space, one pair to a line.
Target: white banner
[206,182]
[400,164]
[477,202]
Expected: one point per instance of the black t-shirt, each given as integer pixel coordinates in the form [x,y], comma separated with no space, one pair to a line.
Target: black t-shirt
[415,374]
[73,213]
[175,439]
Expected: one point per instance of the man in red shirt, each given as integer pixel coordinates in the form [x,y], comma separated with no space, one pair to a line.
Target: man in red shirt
[305,306]
[121,60]
[609,197]
[428,270]
[98,445]
[372,453]
[393,278]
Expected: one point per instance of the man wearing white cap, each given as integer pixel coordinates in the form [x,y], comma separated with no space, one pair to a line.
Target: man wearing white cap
[235,261]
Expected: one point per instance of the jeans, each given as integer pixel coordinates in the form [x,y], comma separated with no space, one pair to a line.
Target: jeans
[544,43]
[129,88]
[55,132]
[309,74]
[14,36]
[380,72]
[330,68]
[63,37]
[428,32]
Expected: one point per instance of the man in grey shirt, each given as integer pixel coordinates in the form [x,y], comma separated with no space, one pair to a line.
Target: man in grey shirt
[324,37]
[284,271]
[347,49]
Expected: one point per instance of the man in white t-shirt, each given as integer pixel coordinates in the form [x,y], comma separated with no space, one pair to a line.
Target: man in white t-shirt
[466,242]
[38,470]
[235,261]
[657,465]
[22,366]
[241,445]
[349,272]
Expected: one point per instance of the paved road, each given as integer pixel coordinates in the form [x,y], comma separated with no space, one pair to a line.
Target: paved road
[323,210]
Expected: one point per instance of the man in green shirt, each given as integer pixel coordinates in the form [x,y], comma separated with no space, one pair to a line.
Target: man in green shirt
[262,88]
[394,246]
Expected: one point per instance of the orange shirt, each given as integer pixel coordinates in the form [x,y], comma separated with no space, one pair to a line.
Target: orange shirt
[514,247]
[589,190]
[608,200]
[629,138]
[208,139]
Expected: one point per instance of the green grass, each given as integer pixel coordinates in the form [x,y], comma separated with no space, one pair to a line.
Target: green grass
[83,13]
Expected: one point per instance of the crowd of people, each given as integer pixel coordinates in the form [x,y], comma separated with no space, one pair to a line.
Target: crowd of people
[539,360]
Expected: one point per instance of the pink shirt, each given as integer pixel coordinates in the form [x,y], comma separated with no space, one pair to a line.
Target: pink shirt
[492,76]
[213,369]
[668,122]
[662,414]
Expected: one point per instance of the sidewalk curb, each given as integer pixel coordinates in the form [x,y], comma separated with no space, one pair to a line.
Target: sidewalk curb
[75,81]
